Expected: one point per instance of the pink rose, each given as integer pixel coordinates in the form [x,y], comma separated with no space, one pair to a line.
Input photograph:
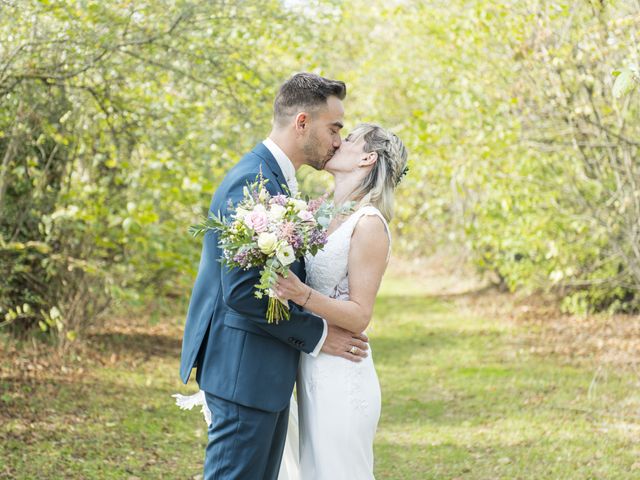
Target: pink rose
[306,216]
[257,220]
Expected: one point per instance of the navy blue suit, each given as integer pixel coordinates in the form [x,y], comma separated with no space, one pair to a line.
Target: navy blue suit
[246,366]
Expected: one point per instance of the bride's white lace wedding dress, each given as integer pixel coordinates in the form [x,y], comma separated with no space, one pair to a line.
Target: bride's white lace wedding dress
[338,400]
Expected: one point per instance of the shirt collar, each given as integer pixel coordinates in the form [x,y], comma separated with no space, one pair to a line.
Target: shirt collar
[284,163]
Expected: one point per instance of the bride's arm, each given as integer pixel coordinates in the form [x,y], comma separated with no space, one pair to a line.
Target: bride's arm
[367,262]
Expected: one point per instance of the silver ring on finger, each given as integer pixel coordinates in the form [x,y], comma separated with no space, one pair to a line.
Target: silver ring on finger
[353,350]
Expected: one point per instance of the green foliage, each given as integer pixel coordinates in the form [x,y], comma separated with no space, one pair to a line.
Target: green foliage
[117,121]
[521,159]
[578,150]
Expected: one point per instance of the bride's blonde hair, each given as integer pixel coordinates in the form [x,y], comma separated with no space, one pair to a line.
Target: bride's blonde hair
[378,186]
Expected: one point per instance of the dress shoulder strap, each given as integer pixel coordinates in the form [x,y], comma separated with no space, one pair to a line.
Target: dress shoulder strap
[370,210]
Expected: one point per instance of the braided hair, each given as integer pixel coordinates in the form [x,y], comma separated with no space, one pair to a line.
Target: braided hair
[378,186]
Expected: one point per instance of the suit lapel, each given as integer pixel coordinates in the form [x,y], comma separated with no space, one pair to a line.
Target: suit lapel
[272,170]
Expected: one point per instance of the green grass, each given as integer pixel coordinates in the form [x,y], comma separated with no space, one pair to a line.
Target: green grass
[462,399]
[115,421]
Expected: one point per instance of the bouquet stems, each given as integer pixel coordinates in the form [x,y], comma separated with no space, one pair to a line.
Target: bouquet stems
[277,310]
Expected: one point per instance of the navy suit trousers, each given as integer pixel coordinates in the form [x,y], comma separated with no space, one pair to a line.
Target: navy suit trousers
[244,443]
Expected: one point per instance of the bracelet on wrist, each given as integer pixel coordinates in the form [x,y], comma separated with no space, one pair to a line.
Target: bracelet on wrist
[308,297]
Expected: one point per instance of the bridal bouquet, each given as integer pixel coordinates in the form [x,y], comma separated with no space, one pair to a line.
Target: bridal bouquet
[269,232]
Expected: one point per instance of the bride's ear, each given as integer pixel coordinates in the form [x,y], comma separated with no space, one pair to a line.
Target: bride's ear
[370,159]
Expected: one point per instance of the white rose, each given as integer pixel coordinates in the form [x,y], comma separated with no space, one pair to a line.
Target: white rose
[285,254]
[276,212]
[298,204]
[260,208]
[241,213]
[267,242]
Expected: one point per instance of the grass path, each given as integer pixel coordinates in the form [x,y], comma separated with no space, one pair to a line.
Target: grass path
[463,398]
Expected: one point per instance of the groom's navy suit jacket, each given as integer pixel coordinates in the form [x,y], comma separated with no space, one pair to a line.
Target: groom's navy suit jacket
[238,355]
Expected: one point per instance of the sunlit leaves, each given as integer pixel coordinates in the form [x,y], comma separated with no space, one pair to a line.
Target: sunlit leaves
[140,109]
[626,80]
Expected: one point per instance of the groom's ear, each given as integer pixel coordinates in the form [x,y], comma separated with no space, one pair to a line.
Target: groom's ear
[302,122]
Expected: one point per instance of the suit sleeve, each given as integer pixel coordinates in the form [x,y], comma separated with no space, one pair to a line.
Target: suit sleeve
[303,330]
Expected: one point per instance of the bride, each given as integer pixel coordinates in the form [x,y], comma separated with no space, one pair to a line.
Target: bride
[339,400]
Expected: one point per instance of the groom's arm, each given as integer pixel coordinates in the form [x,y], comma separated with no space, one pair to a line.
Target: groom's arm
[303,331]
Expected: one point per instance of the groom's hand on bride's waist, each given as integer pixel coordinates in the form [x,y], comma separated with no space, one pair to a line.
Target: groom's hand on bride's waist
[346,344]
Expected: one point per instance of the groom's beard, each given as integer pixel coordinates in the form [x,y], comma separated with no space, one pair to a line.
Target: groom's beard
[313,154]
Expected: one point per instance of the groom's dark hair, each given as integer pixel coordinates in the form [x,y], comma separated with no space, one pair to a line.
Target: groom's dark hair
[305,91]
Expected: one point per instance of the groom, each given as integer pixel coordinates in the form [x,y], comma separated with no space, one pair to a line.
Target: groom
[246,366]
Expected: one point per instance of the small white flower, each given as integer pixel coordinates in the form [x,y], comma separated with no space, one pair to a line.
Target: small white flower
[241,213]
[277,212]
[267,242]
[285,254]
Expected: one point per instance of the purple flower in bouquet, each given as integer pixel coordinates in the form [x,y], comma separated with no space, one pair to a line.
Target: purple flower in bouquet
[242,258]
[318,237]
[297,241]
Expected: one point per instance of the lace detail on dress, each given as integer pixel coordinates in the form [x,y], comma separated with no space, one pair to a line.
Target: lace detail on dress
[318,380]
[327,271]
[357,400]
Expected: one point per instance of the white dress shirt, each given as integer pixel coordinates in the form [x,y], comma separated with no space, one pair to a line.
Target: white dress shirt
[289,172]
[285,165]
